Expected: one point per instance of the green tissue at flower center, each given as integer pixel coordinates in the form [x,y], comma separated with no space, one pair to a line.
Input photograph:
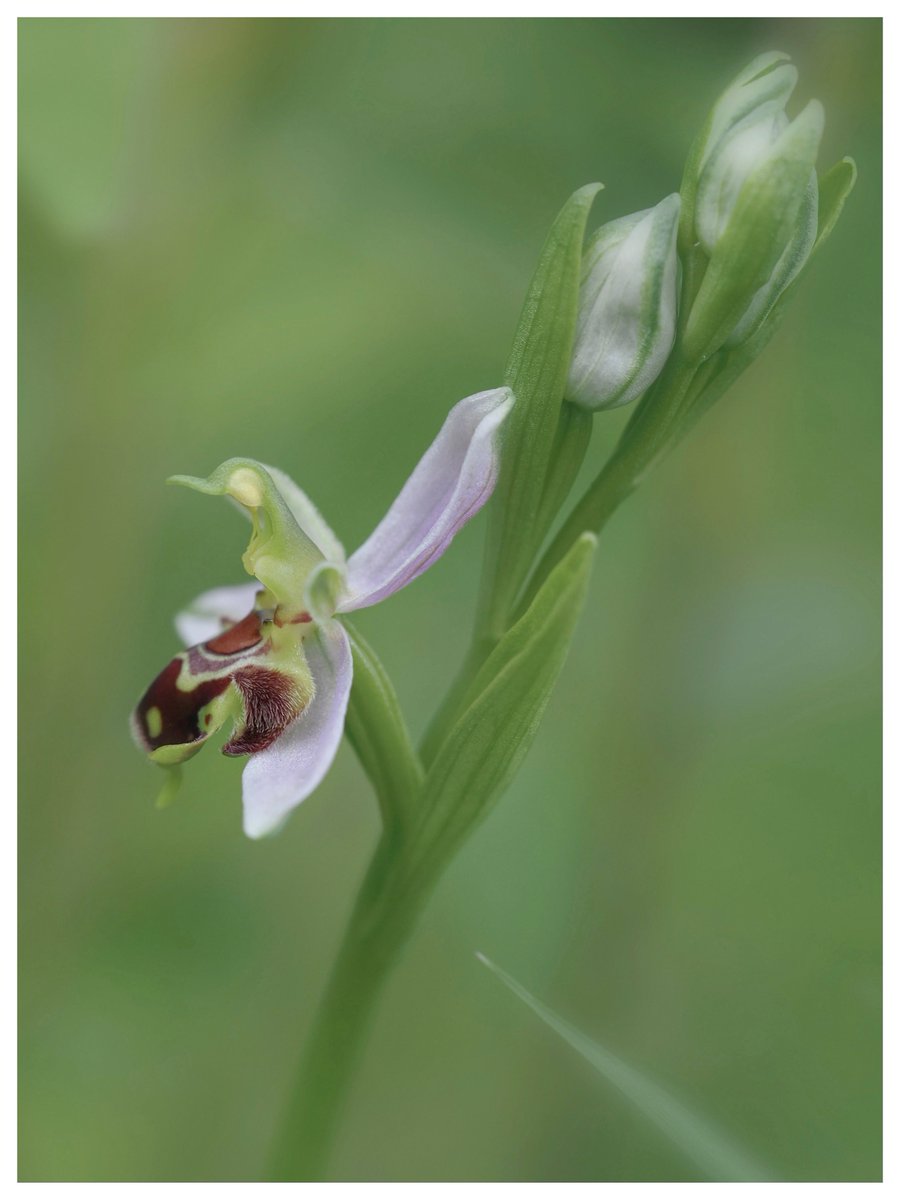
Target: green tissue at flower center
[280,554]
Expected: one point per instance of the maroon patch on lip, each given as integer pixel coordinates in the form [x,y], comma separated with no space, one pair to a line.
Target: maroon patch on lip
[179,712]
[271,702]
[302,618]
[242,636]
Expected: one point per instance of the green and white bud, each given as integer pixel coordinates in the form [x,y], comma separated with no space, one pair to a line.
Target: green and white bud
[753,204]
[760,239]
[752,99]
[627,308]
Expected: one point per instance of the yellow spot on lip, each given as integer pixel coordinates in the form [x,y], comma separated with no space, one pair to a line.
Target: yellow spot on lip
[154,722]
[244,485]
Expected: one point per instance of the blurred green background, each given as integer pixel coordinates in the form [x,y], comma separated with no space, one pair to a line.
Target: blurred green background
[303,241]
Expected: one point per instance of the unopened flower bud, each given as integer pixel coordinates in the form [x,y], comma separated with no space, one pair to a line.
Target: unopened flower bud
[627,308]
[750,104]
[752,203]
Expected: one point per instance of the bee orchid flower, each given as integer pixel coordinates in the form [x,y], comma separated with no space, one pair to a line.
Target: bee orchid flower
[271,655]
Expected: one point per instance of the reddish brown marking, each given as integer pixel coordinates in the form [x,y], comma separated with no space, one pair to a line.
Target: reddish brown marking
[302,618]
[179,711]
[242,636]
[271,702]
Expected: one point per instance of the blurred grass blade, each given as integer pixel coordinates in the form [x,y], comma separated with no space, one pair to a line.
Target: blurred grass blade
[502,709]
[537,371]
[713,1151]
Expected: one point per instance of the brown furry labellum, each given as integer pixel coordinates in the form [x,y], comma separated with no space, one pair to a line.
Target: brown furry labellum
[174,710]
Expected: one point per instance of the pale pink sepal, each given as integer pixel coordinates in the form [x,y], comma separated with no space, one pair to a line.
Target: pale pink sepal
[454,478]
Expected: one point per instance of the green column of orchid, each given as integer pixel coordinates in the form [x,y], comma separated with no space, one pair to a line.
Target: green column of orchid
[280,555]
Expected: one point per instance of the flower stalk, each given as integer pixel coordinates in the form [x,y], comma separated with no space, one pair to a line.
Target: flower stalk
[504,706]
[382,920]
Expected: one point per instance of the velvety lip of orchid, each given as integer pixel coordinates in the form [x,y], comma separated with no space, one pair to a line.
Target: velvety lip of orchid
[271,655]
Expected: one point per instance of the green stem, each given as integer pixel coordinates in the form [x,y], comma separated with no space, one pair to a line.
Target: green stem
[411,857]
[398,883]
[573,435]
[442,720]
[383,918]
[416,847]
[647,436]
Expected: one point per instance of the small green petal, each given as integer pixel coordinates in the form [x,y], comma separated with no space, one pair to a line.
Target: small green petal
[171,787]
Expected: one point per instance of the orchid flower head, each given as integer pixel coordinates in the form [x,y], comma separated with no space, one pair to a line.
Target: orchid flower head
[271,655]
